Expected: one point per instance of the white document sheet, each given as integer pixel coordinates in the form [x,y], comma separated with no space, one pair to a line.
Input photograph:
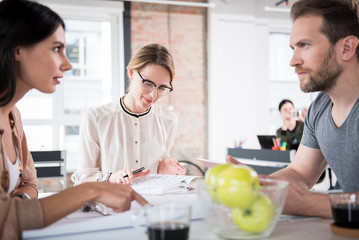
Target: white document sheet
[158,184]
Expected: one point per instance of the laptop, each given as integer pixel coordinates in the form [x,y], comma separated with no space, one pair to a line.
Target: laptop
[266,141]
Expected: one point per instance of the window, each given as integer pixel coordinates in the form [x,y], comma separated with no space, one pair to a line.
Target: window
[88,47]
[283,82]
[51,121]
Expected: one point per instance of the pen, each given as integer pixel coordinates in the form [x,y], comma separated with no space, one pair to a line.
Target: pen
[136,171]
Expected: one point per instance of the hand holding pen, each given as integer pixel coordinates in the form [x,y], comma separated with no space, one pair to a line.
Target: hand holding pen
[126,175]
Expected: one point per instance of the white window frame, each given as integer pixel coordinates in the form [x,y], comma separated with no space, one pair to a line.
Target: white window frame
[86,10]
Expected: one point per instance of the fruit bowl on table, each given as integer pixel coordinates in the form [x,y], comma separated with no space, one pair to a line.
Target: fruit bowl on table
[252,217]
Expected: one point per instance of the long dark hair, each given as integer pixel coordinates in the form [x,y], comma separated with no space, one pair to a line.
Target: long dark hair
[22,23]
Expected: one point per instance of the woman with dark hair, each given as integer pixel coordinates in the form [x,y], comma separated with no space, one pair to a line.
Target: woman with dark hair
[16,35]
[292,130]
[32,56]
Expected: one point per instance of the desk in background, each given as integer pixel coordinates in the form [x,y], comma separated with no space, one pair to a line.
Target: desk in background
[51,164]
[266,161]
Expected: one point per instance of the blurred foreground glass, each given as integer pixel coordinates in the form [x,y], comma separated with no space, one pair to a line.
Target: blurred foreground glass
[164,222]
[89,175]
[86,175]
[221,218]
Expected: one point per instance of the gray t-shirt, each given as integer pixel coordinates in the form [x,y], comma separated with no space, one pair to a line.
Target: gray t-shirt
[339,146]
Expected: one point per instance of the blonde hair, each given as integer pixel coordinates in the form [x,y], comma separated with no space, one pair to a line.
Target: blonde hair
[153,53]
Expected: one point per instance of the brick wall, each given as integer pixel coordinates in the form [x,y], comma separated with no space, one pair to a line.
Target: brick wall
[183,31]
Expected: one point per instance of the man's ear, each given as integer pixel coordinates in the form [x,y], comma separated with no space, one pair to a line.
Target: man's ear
[350,44]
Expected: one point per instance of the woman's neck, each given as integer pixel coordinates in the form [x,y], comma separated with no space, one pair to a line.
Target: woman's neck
[20,91]
[130,104]
[291,124]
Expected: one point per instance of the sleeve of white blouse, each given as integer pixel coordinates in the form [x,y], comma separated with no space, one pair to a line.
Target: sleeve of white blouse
[172,133]
[89,147]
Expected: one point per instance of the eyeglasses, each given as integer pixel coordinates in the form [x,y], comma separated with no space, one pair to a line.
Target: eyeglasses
[149,86]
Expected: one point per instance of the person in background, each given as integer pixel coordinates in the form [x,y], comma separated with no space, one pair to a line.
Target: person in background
[32,56]
[325,42]
[132,132]
[292,130]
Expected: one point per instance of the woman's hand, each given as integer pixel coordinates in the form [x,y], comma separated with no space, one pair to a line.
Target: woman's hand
[115,196]
[118,177]
[169,165]
[118,196]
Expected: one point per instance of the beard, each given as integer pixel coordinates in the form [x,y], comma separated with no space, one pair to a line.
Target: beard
[326,76]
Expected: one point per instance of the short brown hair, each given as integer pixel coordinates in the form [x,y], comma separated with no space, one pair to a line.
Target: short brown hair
[153,53]
[340,17]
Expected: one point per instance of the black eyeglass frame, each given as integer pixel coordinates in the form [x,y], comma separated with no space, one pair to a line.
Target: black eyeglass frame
[155,85]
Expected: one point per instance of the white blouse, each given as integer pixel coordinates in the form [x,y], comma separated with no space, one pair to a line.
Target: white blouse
[113,138]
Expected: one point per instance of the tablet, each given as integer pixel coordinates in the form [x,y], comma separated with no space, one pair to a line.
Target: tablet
[207,162]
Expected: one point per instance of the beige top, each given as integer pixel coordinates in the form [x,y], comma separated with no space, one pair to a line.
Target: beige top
[17,215]
[113,138]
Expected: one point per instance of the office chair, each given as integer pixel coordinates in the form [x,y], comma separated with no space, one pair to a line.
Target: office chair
[50,164]
[192,169]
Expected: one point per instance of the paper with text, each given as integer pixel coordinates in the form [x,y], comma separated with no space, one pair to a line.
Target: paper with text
[162,184]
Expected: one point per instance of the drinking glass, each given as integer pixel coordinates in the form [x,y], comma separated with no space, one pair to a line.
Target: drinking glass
[167,221]
[86,175]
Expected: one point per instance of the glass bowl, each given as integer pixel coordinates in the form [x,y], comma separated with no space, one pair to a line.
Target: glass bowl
[224,221]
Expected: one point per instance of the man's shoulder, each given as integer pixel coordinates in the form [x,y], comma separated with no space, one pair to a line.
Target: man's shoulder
[321,102]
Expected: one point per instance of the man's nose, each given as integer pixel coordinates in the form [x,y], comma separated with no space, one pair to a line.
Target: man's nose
[296,59]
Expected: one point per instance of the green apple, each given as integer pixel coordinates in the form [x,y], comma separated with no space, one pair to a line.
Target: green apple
[257,217]
[237,186]
[212,173]
[211,176]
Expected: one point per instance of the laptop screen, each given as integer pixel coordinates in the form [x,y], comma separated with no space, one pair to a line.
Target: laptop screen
[266,141]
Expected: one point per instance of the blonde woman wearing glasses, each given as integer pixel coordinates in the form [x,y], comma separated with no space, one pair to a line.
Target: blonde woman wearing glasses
[132,132]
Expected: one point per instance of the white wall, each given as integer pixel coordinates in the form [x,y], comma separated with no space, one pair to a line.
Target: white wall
[238,75]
